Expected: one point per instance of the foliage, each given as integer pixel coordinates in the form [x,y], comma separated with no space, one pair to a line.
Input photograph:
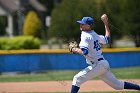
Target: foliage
[20,42]
[32,24]
[64,18]
[2,26]
[113,10]
[123,18]
[131,19]
[50,4]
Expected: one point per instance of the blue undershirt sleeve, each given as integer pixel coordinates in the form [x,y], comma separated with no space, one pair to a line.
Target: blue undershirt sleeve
[85,51]
[107,39]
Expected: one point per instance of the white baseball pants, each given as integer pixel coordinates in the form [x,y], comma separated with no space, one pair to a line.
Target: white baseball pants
[99,69]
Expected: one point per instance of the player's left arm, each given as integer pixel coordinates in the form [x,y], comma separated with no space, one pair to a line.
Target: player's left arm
[82,49]
[77,51]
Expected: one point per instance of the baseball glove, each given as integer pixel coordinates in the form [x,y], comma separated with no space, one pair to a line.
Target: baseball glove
[72,44]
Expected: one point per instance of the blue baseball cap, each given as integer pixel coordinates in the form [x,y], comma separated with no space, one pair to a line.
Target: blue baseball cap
[86,20]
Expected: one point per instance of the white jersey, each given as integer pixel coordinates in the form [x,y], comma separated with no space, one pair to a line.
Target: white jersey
[91,40]
[98,66]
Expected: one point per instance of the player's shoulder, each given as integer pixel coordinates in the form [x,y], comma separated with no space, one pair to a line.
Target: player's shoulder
[94,33]
[89,33]
[85,34]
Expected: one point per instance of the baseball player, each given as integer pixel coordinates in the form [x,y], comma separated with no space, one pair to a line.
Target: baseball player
[90,48]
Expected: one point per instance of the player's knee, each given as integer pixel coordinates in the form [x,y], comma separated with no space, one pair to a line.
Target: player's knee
[117,87]
[76,80]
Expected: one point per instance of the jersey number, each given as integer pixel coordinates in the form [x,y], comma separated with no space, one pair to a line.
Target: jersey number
[97,45]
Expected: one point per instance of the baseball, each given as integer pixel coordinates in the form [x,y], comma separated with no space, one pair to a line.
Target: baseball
[103,16]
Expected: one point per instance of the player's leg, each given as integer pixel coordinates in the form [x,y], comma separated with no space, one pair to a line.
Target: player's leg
[88,73]
[74,89]
[80,78]
[128,85]
[109,78]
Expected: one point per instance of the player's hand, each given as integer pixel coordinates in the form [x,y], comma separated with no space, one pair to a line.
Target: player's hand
[72,45]
[104,18]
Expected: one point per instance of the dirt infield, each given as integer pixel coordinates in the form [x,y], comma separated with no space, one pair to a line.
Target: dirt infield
[55,86]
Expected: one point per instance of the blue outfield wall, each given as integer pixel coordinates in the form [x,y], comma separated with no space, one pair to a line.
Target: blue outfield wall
[28,62]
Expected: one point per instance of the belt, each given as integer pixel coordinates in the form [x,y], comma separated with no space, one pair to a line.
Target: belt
[100,59]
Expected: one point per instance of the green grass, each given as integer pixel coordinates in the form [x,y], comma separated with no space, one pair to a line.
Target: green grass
[121,73]
[106,92]
[92,92]
[103,92]
[127,73]
[47,76]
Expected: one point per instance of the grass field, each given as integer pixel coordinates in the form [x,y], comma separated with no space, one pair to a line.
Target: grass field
[121,73]
[102,92]
[92,92]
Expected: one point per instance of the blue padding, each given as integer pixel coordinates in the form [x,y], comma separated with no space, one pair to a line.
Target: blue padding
[24,62]
[37,62]
[122,59]
[64,61]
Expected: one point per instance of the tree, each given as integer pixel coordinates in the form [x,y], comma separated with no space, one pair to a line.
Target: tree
[131,19]
[2,26]
[48,4]
[65,15]
[113,9]
[32,24]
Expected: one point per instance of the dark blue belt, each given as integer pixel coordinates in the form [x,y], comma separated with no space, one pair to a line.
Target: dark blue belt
[100,59]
